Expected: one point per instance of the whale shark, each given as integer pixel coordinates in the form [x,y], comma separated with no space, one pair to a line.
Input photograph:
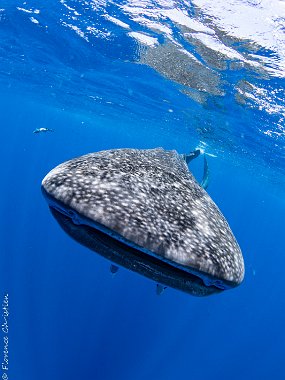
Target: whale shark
[143,209]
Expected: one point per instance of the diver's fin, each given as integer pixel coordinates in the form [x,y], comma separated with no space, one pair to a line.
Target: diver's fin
[114,269]
[206,175]
[190,156]
[160,289]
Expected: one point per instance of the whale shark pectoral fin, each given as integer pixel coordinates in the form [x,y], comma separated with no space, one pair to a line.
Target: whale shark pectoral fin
[160,289]
[206,175]
[114,269]
[190,156]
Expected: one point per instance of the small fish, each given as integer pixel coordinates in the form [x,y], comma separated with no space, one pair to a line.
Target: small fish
[114,269]
[160,289]
[39,130]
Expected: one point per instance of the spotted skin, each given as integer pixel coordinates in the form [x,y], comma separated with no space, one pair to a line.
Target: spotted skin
[151,199]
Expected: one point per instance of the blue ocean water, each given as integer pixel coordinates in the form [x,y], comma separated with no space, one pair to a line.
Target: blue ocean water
[142,74]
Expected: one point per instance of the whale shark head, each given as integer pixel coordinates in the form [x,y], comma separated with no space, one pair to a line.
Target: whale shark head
[144,210]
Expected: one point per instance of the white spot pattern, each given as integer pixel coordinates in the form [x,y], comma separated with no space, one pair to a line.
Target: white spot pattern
[150,198]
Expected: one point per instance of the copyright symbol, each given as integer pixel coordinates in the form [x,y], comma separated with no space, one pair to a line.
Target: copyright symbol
[5,376]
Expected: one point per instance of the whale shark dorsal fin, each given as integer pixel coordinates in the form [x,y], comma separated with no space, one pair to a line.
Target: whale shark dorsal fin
[206,175]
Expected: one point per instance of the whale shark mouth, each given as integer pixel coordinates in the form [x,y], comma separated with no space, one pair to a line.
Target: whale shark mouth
[123,252]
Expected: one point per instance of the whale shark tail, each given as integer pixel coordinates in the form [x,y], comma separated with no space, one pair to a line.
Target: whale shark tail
[206,175]
[189,157]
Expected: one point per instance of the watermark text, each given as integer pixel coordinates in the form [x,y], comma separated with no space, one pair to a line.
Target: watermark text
[5,337]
